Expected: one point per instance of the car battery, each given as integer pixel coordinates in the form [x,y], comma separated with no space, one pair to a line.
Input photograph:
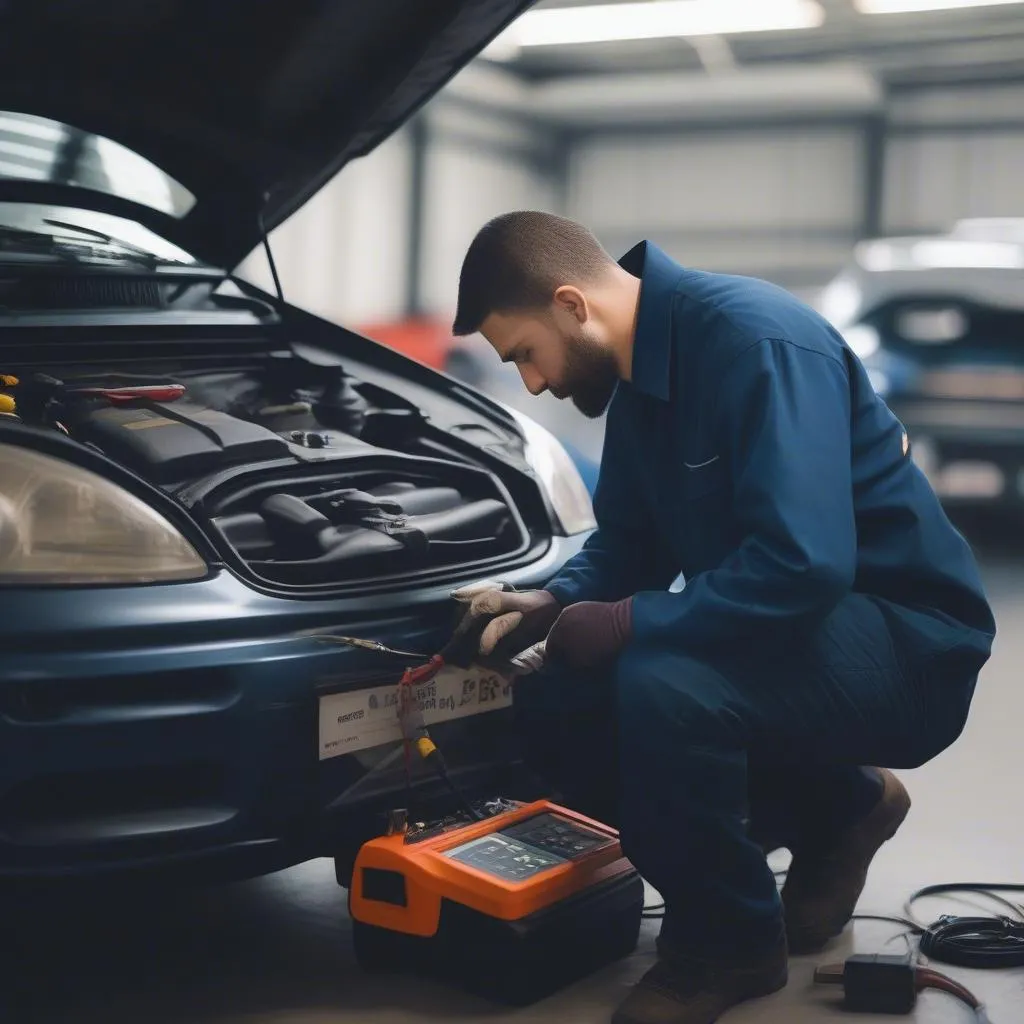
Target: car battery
[512,907]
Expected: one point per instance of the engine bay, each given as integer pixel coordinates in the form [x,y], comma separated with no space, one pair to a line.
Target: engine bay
[311,478]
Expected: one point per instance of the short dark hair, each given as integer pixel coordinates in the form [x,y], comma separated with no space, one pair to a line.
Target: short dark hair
[518,260]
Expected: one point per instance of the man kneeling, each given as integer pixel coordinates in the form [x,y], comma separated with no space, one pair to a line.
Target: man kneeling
[832,617]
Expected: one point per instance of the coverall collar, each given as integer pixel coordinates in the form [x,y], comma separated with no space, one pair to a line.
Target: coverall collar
[652,346]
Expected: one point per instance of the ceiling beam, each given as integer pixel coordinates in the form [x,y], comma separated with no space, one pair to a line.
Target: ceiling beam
[589,100]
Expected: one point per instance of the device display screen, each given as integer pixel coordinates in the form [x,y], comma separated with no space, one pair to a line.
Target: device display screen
[528,848]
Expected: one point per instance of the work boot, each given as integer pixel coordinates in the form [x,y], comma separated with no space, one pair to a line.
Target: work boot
[823,885]
[681,990]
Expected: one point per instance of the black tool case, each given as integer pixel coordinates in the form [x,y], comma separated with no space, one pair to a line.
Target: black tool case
[516,962]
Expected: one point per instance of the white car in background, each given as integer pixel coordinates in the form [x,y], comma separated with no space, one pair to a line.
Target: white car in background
[938,322]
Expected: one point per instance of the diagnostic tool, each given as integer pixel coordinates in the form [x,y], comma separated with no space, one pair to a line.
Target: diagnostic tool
[513,907]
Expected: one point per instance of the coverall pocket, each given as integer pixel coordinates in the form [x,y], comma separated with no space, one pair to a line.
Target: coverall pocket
[704,515]
[702,477]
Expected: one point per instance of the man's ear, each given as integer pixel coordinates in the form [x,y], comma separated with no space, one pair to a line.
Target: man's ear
[571,300]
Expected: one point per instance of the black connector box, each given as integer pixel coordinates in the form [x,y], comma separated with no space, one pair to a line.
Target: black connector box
[873,983]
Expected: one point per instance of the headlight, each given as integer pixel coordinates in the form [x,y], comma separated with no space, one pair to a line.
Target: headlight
[558,475]
[61,524]
[864,340]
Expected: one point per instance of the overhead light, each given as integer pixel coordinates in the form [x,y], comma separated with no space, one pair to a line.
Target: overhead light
[653,19]
[915,6]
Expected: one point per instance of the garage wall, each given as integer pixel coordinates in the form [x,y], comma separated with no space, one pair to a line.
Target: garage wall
[954,153]
[343,255]
[346,254]
[783,203]
[477,166]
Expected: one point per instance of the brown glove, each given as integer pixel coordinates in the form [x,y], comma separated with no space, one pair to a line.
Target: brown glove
[590,634]
[512,621]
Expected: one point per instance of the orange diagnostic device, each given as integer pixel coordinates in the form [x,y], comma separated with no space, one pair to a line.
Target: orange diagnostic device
[513,906]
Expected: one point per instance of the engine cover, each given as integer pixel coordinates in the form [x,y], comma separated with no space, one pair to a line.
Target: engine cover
[175,442]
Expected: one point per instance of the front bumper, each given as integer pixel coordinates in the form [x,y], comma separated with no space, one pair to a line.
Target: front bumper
[176,726]
[971,451]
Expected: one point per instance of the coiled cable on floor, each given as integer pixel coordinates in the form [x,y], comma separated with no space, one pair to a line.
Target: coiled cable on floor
[986,943]
[978,942]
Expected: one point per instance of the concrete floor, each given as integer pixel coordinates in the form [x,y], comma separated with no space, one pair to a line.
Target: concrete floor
[276,950]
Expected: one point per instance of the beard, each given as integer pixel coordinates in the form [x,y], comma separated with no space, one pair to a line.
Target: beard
[591,375]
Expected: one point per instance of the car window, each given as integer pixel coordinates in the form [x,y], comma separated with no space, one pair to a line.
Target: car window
[38,149]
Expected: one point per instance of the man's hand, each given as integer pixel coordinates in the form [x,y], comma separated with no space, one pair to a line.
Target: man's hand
[590,634]
[506,622]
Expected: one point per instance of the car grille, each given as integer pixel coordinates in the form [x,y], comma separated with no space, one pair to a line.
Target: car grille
[82,701]
[95,806]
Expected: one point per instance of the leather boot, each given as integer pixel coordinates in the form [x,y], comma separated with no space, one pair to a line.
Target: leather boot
[825,881]
[681,990]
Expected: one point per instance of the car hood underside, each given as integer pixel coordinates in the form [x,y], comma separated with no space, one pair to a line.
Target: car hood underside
[252,105]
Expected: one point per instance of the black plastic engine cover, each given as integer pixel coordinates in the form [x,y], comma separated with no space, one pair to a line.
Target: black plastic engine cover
[172,442]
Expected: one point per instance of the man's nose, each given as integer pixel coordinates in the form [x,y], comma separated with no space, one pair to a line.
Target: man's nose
[534,382]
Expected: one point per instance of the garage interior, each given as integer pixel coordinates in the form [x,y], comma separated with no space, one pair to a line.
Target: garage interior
[770,152]
[766,153]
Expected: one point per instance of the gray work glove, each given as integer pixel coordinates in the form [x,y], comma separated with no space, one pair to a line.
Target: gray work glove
[513,621]
[529,661]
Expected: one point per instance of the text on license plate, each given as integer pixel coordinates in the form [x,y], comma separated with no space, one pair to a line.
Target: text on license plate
[369,718]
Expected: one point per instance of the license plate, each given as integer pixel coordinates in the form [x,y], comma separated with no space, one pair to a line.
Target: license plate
[359,719]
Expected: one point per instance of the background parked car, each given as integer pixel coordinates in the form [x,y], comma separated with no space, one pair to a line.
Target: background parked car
[939,323]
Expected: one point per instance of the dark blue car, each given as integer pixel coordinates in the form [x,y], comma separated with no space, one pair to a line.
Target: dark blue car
[198,481]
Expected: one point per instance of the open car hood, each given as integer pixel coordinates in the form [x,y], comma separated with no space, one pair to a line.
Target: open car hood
[250,105]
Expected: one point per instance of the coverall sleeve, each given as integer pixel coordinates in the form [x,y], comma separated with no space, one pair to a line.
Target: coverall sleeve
[621,556]
[783,425]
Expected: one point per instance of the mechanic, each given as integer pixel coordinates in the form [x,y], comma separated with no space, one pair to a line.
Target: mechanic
[831,619]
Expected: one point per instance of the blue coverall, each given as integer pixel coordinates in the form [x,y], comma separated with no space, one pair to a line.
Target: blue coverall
[832,616]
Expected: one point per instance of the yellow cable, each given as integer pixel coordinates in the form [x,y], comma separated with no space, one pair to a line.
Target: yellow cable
[425,746]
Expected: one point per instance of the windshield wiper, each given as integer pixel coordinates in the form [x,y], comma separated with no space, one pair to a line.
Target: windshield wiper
[34,241]
[72,250]
[109,240]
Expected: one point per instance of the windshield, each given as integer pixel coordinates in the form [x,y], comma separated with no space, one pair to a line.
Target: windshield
[38,149]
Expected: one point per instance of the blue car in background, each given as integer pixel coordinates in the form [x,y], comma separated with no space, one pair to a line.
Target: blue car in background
[200,482]
[938,322]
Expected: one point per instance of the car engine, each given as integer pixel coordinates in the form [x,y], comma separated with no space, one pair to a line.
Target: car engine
[310,478]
